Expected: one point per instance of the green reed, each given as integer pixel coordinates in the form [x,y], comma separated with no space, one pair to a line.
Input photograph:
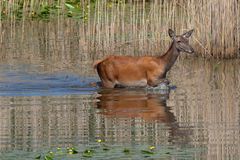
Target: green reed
[140,27]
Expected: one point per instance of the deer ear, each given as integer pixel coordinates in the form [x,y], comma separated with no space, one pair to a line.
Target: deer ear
[188,34]
[171,33]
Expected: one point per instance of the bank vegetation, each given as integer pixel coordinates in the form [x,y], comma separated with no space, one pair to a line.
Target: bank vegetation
[112,25]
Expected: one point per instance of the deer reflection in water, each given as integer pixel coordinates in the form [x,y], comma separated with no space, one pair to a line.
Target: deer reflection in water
[135,103]
[127,103]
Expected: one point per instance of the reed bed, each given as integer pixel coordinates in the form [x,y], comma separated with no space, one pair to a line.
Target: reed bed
[139,27]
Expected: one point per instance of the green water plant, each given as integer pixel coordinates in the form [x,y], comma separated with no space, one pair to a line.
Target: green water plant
[48,156]
[74,10]
[149,151]
[88,153]
[101,150]
[72,150]
[126,150]
[22,9]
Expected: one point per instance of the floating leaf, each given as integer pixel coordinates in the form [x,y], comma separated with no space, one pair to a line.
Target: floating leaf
[38,156]
[72,150]
[48,157]
[146,152]
[126,150]
[106,149]
[88,153]
[151,147]
[59,151]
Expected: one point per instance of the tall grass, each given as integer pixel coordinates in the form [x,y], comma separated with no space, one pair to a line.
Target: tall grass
[140,27]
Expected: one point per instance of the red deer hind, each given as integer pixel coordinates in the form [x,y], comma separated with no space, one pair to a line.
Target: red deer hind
[128,71]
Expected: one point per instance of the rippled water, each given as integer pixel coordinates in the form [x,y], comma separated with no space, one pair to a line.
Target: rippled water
[27,80]
[48,101]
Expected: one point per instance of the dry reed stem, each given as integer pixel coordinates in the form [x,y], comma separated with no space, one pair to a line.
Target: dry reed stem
[139,27]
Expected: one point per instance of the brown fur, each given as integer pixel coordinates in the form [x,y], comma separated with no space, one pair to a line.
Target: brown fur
[141,71]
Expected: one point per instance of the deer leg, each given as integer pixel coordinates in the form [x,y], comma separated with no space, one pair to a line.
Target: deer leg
[108,84]
[119,86]
[155,83]
[165,80]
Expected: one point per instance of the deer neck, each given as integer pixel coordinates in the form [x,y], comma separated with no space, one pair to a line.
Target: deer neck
[170,56]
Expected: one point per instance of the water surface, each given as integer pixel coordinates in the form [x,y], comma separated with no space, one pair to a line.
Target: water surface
[47,101]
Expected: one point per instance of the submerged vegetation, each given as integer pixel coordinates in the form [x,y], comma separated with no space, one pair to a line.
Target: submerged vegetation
[118,25]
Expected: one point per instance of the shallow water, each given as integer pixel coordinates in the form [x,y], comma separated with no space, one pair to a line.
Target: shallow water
[47,101]
[26,80]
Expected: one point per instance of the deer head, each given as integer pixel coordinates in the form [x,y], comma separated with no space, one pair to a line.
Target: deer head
[182,41]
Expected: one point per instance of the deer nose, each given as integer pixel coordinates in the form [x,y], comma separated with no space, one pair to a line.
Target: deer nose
[191,50]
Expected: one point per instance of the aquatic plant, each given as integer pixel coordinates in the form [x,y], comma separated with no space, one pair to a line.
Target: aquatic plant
[99,151]
[42,9]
